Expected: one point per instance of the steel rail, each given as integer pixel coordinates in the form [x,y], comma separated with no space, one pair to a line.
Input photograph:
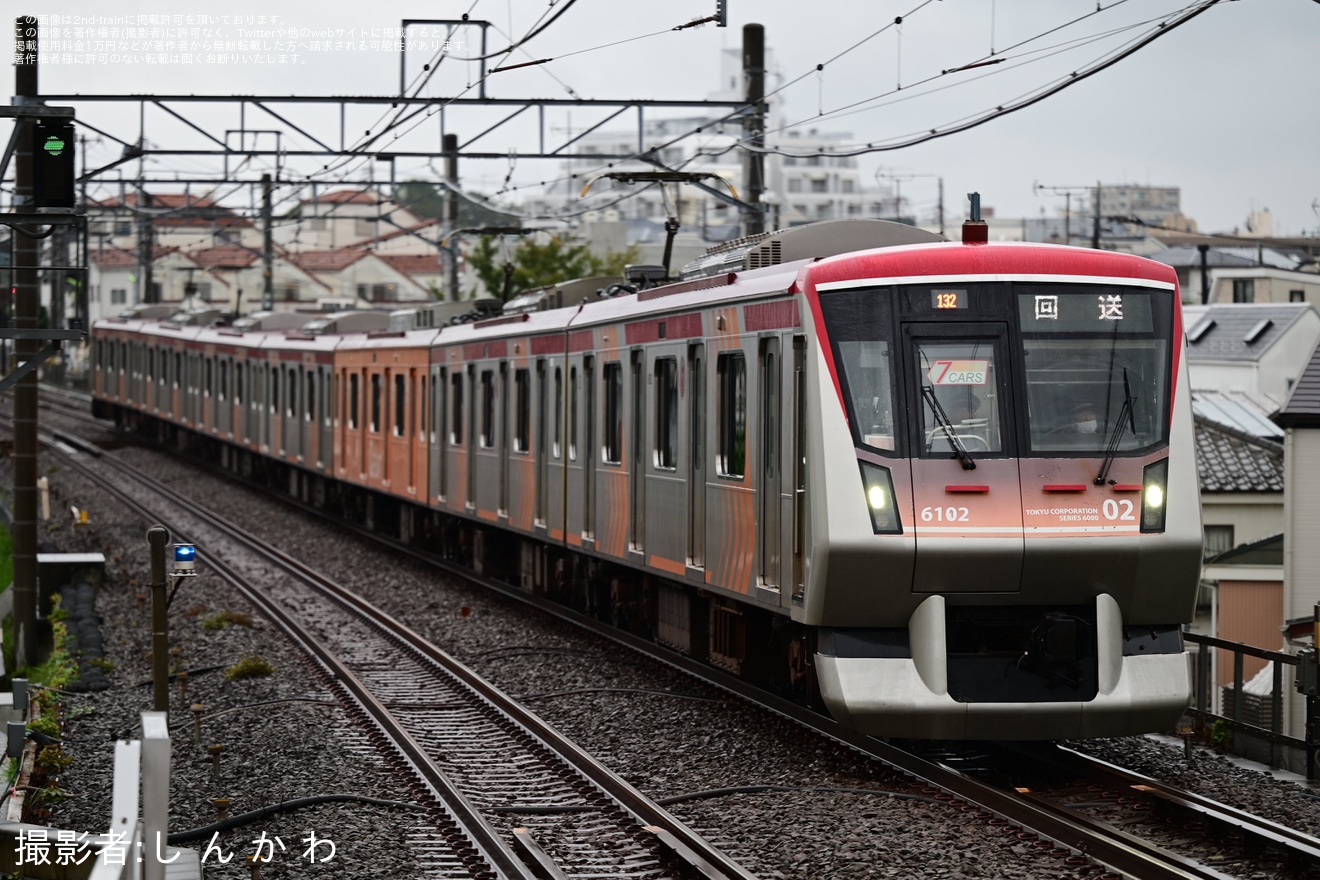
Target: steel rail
[1295,844]
[669,833]
[501,860]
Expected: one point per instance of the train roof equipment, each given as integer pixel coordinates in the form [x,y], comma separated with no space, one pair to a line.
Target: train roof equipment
[804,243]
[429,316]
[560,295]
[347,322]
[264,321]
[147,312]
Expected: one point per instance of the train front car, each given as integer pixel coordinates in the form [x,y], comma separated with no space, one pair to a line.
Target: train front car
[1005,528]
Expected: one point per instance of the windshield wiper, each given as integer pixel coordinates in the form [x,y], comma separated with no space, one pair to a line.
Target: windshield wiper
[1125,417]
[947,426]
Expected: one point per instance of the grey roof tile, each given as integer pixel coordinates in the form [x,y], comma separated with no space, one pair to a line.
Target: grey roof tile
[1229,460]
[1226,340]
[1302,409]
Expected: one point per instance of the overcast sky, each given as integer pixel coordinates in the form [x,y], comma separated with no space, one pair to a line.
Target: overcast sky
[1222,106]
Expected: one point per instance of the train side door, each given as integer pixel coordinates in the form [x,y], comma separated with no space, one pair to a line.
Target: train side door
[637,516]
[769,461]
[696,377]
[542,451]
[966,484]
[589,448]
[799,460]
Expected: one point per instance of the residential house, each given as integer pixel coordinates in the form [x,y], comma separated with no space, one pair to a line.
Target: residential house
[1244,274]
[343,218]
[180,220]
[354,275]
[1259,349]
[1300,419]
[1248,584]
[1241,478]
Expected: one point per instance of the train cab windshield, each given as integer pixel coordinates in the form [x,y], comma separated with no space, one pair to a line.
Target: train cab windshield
[1096,367]
[1000,369]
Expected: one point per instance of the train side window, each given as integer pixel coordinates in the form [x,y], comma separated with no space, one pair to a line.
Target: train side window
[239,369]
[375,403]
[572,414]
[291,405]
[612,450]
[422,402]
[210,376]
[557,437]
[274,401]
[400,404]
[666,413]
[487,409]
[522,425]
[353,401]
[178,368]
[456,411]
[731,413]
[311,395]
[438,403]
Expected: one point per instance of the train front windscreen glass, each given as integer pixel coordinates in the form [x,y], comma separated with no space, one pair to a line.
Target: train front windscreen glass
[1075,366]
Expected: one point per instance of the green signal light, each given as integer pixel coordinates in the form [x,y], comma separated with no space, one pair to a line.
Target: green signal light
[54,145]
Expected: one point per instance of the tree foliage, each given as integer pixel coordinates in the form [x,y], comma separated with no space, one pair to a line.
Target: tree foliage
[426,200]
[538,263]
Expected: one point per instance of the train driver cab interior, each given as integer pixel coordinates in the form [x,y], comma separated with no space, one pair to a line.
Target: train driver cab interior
[958,382]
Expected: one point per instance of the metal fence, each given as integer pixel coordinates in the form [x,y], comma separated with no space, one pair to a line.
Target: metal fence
[1247,724]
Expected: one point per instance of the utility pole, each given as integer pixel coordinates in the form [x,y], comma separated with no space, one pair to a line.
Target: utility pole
[941,205]
[146,248]
[1067,193]
[1095,228]
[1204,251]
[267,247]
[754,126]
[450,147]
[26,307]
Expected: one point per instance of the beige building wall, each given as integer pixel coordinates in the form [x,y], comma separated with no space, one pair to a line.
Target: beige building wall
[1253,515]
[1301,556]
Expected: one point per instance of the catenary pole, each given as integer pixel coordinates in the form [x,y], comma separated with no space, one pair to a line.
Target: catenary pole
[754,126]
[26,307]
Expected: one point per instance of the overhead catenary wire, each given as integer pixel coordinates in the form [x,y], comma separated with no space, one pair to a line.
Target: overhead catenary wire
[402,122]
[973,120]
[961,124]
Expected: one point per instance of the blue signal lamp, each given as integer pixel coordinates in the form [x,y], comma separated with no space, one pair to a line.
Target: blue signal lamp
[185,560]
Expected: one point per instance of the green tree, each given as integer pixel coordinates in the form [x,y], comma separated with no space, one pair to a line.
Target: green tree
[427,200]
[540,263]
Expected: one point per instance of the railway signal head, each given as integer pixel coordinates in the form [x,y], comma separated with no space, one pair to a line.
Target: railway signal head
[185,561]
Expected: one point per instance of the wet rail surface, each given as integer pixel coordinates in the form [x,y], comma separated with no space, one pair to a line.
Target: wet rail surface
[527,800]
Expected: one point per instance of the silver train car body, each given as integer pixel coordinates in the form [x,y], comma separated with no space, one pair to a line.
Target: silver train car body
[851,476]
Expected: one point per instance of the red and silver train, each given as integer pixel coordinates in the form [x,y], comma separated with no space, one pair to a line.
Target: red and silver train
[947,488]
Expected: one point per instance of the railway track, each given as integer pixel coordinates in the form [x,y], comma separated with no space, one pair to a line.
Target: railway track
[1077,823]
[515,799]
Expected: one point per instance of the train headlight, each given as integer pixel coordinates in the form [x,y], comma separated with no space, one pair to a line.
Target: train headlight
[880,499]
[1153,484]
